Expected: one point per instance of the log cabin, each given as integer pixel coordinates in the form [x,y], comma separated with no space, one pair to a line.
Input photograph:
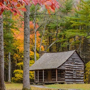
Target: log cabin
[61,67]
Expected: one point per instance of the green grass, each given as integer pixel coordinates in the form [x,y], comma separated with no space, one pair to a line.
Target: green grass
[17,86]
[70,86]
[13,86]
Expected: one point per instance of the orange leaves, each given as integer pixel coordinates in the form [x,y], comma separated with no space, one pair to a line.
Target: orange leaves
[19,36]
[32,25]
[18,5]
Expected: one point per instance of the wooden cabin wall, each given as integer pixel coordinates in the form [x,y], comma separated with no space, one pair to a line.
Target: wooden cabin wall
[74,69]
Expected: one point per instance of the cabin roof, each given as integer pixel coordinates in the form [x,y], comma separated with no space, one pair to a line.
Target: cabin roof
[51,60]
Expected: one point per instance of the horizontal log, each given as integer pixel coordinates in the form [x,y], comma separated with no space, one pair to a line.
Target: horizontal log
[73,80]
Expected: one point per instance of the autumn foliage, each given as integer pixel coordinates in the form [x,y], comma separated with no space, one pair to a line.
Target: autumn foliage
[16,5]
[19,36]
[19,40]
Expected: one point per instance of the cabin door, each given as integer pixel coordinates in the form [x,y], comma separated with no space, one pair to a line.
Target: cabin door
[49,75]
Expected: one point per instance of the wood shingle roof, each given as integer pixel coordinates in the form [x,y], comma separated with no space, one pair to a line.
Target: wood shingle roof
[51,60]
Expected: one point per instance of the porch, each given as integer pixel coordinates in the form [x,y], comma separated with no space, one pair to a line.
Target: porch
[49,76]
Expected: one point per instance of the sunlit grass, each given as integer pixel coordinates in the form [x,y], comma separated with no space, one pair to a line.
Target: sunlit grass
[13,86]
[70,86]
[17,86]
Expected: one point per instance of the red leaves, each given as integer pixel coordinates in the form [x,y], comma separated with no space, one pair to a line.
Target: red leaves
[2,1]
[13,5]
[49,4]
[23,9]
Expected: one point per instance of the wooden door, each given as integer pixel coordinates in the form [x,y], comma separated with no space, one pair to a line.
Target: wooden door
[49,75]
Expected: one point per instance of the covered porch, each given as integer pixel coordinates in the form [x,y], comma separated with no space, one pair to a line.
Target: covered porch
[49,76]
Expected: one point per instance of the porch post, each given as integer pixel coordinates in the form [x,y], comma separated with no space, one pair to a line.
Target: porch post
[56,75]
[43,75]
[38,75]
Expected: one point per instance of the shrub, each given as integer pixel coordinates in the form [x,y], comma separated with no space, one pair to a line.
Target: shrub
[19,76]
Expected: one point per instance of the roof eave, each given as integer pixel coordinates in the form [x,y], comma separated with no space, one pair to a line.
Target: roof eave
[42,69]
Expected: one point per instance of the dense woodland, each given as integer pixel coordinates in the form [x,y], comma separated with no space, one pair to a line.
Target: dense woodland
[66,29]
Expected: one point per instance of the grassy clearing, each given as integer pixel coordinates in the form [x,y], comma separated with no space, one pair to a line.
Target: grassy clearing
[13,86]
[70,86]
[35,88]
[17,86]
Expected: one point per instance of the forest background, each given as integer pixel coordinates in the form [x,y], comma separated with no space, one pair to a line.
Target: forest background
[66,29]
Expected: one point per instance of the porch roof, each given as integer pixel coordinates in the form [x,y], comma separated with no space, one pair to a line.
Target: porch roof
[51,60]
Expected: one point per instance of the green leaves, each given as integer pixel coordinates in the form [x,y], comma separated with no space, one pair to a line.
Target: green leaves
[9,24]
[67,7]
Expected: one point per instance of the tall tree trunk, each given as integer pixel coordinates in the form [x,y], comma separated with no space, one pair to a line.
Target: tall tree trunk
[2,86]
[68,46]
[35,46]
[35,31]
[75,41]
[9,67]
[9,58]
[26,81]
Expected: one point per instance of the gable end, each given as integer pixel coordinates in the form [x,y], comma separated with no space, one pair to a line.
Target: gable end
[75,55]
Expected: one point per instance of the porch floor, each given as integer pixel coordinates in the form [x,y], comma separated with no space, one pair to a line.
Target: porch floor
[48,82]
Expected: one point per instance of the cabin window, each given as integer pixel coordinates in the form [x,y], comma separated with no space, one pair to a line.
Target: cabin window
[74,74]
[36,76]
[40,75]
[61,73]
[53,73]
[73,60]
[45,74]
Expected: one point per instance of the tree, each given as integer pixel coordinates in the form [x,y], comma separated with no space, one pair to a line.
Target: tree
[81,23]
[12,6]
[26,83]
[8,25]
[57,25]
[19,36]
[2,87]
[2,8]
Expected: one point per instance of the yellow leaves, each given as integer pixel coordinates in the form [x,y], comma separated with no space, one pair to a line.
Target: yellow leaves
[16,56]
[87,73]
[31,75]
[19,75]
[31,62]
[20,64]
[31,53]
